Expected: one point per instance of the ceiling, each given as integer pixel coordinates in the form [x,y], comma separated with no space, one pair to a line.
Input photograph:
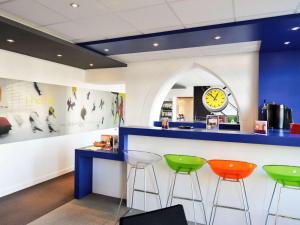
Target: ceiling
[107,19]
[18,38]
[224,49]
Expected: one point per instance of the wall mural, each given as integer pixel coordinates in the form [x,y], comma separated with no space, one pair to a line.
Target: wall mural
[30,110]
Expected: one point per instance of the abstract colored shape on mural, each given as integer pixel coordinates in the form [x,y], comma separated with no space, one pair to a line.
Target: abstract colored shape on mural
[101,104]
[5,125]
[70,104]
[83,113]
[36,88]
[35,122]
[74,91]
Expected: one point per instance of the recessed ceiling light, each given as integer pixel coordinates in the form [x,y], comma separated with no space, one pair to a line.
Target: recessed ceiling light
[155,44]
[106,50]
[217,37]
[74,5]
[287,42]
[10,40]
[59,55]
[91,64]
[295,28]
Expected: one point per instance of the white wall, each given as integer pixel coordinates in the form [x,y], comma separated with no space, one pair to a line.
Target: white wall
[147,83]
[26,163]
[187,92]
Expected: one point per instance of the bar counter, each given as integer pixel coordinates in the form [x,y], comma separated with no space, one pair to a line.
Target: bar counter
[278,147]
[274,137]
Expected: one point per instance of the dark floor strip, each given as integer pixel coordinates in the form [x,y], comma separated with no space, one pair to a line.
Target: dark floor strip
[29,204]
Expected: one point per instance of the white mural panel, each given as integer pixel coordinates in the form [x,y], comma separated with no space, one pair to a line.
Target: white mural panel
[30,110]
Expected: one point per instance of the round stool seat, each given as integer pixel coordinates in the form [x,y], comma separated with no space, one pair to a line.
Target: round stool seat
[230,169]
[284,174]
[141,159]
[184,163]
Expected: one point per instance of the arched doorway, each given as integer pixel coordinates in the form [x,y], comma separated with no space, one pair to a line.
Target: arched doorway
[197,71]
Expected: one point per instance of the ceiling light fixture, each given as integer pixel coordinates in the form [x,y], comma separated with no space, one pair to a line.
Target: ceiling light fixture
[106,50]
[74,5]
[295,28]
[217,37]
[287,42]
[155,44]
[59,55]
[91,64]
[10,40]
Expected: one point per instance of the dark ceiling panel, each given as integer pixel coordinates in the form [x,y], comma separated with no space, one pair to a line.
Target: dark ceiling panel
[272,32]
[31,42]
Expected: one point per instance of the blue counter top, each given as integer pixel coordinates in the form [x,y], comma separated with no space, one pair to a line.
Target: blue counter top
[198,124]
[281,138]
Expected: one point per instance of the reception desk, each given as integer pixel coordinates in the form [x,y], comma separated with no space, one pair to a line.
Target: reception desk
[274,148]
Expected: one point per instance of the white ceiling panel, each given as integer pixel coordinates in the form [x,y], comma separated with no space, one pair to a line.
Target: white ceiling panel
[203,11]
[87,8]
[95,28]
[150,18]
[32,11]
[118,5]
[263,8]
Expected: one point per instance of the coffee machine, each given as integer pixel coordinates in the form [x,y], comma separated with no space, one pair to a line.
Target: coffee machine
[278,116]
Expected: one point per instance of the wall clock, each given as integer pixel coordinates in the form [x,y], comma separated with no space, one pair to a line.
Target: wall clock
[215,99]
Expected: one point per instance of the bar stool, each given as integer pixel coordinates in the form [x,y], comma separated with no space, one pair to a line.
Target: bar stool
[186,165]
[289,178]
[231,171]
[140,160]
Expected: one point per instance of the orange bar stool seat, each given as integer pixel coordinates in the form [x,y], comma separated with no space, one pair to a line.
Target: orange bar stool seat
[231,171]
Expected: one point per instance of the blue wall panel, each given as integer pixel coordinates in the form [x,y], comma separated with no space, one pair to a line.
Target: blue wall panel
[279,79]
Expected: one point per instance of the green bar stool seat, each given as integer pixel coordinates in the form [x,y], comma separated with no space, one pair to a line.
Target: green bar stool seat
[288,177]
[186,165]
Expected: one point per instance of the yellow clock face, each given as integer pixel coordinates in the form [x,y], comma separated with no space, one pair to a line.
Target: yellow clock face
[215,99]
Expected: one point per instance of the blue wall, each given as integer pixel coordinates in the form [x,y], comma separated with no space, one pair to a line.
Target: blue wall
[279,79]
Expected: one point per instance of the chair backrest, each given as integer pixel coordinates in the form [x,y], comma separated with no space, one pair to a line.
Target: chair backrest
[173,215]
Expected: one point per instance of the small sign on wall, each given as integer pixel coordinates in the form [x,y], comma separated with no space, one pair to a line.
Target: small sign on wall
[212,122]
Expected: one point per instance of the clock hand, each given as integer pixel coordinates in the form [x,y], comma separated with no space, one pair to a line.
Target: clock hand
[215,98]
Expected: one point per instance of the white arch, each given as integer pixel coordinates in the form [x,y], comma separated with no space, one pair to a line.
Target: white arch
[168,84]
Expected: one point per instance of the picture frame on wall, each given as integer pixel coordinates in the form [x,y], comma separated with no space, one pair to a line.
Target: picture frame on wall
[261,127]
[212,122]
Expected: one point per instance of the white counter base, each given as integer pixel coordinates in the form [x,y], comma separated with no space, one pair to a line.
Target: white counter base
[259,186]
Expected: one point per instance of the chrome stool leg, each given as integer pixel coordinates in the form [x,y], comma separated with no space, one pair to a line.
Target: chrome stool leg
[245,202]
[145,189]
[201,198]
[172,193]
[170,190]
[122,194]
[133,185]
[215,202]
[193,198]
[156,183]
[277,210]
[276,214]
[269,213]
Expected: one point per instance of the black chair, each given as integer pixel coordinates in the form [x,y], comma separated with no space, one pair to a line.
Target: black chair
[173,215]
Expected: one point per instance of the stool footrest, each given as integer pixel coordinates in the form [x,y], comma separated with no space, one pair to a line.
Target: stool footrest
[283,216]
[188,199]
[230,207]
[148,192]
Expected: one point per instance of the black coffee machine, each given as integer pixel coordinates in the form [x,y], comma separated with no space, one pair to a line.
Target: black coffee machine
[278,116]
